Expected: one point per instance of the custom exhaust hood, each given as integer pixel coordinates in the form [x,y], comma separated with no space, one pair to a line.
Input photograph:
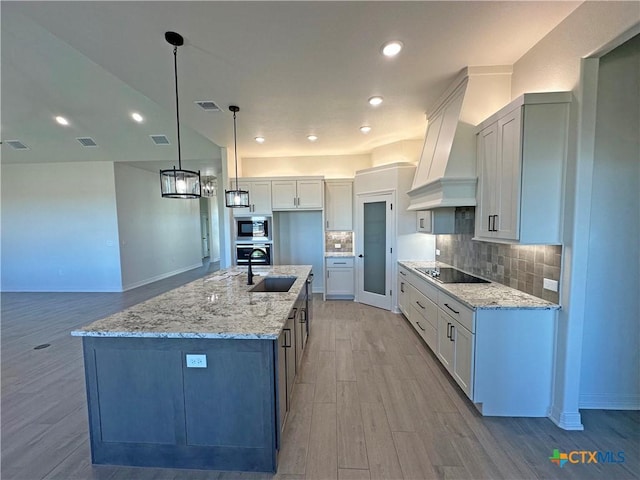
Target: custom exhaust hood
[446,172]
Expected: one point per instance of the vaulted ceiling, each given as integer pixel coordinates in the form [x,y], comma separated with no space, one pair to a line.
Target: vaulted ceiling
[294,68]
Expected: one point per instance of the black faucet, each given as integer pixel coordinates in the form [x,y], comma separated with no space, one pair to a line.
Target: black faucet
[249,271]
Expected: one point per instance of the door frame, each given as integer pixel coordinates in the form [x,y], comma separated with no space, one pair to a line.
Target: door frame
[386,301]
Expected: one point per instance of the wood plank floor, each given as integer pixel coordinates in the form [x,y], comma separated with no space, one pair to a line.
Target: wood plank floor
[371,402]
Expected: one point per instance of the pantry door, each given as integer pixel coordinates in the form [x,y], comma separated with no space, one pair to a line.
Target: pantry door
[374,240]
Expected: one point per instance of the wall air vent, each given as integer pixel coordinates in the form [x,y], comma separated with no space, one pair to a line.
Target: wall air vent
[208,105]
[87,142]
[17,145]
[160,139]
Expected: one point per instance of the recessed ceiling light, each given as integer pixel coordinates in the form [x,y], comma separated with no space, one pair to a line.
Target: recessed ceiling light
[392,48]
[375,101]
[62,120]
[260,139]
[137,117]
[312,138]
[365,129]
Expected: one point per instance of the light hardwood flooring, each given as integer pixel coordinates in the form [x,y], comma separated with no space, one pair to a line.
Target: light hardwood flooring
[370,402]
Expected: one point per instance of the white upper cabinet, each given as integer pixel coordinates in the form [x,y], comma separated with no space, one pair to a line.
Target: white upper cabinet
[297,194]
[437,221]
[521,154]
[339,205]
[259,197]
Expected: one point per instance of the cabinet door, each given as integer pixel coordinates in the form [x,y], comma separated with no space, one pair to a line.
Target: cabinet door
[340,281]
[284,195]
[282,379]
[446,346]
[487,143]
[260,197]
[508,175]
[339,206]
[310,194]
[463,361]
[403,296]
[242,185]
[423,219]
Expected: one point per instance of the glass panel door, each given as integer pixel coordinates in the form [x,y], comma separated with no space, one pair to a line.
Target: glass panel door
[374,238]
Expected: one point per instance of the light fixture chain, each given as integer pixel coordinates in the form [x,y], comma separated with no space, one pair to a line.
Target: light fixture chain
[175,71]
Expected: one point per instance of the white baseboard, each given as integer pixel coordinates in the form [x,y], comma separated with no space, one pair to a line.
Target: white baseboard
[159,277]
[609,401]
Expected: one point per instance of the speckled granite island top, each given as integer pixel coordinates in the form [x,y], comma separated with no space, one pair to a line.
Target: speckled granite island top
[482,295]
[217,306]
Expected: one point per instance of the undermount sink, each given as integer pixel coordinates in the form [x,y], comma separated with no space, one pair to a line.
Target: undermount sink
[274,284]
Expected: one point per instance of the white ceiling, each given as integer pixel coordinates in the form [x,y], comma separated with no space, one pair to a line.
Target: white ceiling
[294,68]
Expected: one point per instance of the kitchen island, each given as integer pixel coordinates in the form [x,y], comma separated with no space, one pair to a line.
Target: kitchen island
[197,377]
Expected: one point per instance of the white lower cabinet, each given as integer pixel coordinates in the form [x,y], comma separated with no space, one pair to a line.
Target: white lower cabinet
[340,277]
[502,359]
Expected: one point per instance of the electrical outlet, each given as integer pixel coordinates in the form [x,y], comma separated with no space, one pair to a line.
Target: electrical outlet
[196,361]
[548,284]
[337,245]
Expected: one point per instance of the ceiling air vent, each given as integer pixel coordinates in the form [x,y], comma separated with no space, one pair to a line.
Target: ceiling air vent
[160,139]
[17,145]
[208,105]
[87,142]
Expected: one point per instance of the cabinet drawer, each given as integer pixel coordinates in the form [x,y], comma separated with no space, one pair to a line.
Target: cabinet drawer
[428,332]
[427,290]
[339,262]
[457,310]
[424,306]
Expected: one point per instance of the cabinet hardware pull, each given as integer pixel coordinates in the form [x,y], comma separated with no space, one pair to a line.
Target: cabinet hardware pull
[303,318]
[294,312]
[287,344]
[489,225]
[451,337]
[495,223]
[454,311]
[448,325]
[402,287]
[339,263]
[419,304]
[402,273]
[418,323]
[422,223]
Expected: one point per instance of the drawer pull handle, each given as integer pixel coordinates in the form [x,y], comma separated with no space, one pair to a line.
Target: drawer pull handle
[287,344]
[402,273]
[339,263]
[294,312]
[402,287]
[451,336]
[419,304]
[454,311]
[448,325]
[418,323]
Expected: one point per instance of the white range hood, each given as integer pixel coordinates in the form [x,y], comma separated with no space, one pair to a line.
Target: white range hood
[446,173]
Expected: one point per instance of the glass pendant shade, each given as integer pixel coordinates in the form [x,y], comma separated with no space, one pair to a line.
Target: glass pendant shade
[180,183]
[236,198]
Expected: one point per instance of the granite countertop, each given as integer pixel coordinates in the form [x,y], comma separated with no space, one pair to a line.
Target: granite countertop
[338,254]
[217,306]
[482,295]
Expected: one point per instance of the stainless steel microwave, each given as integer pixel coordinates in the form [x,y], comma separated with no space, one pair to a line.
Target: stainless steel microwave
[254,229]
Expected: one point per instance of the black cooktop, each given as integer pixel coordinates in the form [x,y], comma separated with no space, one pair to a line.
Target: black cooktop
[450,275]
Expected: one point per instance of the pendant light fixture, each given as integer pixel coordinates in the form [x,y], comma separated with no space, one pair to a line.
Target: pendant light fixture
[236,198]
[178,183]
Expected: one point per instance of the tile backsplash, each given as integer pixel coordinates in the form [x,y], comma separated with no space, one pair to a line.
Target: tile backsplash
[518,266]
[344,239]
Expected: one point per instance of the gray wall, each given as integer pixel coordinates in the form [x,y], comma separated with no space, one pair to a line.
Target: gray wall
[611,341]
[59,228]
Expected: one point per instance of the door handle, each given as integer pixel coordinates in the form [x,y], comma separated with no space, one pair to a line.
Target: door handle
[451,337]
[448,325]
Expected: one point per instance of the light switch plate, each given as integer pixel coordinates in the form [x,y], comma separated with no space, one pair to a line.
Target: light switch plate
[548,284]
[437,251]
